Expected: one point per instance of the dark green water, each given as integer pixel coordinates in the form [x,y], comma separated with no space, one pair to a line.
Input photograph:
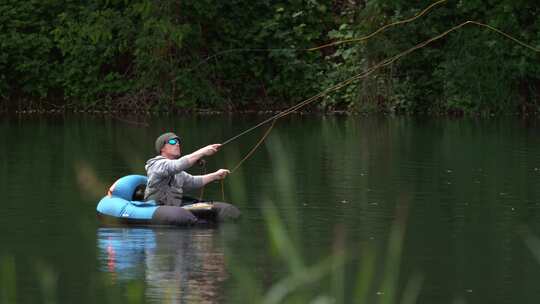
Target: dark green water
[469,186]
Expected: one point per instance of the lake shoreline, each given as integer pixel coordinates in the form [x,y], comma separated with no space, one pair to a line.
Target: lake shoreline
[255,111]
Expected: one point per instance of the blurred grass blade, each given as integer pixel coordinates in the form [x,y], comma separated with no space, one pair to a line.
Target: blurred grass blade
[532,242]
[393,258]
[338,273]
[250,291]
[280,239]
[284,183]
[412,290]
[365,275]
[295,281]
[135,292]
[8,286]
[48,280]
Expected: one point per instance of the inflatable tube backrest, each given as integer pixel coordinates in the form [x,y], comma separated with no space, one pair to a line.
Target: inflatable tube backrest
[126,186]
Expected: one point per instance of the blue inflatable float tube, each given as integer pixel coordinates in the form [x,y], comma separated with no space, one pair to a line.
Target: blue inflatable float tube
[124,205]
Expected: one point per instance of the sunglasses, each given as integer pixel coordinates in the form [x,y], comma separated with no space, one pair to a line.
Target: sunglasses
[173,141]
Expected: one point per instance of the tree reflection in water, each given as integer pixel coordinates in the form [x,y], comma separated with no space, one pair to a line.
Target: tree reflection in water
[176,264]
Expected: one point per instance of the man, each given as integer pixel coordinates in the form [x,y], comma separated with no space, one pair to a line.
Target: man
[167,179]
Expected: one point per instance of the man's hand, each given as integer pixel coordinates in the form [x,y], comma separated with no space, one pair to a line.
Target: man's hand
[202,152]
[210,149]
[221,174]
[214,176]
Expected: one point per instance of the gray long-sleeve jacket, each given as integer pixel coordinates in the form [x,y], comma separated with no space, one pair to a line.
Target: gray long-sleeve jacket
[167,180]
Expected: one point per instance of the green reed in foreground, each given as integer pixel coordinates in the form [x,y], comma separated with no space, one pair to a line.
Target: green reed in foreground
[375,281]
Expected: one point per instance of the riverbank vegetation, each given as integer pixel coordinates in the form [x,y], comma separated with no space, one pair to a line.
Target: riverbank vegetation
[151,56]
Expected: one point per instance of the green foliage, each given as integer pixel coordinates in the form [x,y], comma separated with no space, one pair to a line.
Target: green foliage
[92,43]
[148,55]
[27,58]
[472,70]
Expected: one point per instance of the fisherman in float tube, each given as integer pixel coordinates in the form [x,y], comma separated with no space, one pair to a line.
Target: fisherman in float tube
[167,179]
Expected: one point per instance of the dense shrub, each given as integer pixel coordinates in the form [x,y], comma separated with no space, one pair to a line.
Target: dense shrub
[234,55]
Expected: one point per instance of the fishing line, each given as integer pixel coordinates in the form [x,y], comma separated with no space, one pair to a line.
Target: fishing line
[239,163]
[423,12]
[359,76]
[366,73]
[381,64]
[364,38]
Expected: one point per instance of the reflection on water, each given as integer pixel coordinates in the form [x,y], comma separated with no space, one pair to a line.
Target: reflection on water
[177,265]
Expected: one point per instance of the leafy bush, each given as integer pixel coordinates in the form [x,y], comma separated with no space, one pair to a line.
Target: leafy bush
[233,55]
